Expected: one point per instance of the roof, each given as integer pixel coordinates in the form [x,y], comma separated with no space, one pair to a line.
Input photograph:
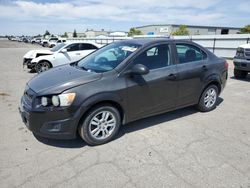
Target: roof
[77,41]
[193,26]
[145,41]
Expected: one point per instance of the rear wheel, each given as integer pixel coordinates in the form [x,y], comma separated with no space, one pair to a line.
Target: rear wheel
[42,66]
[240,74]
[100,125]
[208,99]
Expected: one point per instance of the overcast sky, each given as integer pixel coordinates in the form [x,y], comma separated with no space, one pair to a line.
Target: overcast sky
[31,17]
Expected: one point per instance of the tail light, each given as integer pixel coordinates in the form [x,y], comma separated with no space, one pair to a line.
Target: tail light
[226,65]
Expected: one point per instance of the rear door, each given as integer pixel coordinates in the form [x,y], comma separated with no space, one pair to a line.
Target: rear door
[191,66]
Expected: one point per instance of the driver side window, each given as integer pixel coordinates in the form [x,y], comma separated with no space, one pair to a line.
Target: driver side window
[155,57]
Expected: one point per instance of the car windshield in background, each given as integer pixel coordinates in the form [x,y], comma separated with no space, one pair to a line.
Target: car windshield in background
[57,47]
[108,57]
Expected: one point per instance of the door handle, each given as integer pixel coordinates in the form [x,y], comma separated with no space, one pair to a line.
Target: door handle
[204,67]
[78,54]
[172,77]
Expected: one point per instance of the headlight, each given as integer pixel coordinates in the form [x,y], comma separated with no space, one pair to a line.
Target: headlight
[65,99]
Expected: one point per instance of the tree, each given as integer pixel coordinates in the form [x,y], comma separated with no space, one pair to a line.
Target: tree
[182,30]
[46,33]
[65,35]
[245,29]
[133,31]
[74,34]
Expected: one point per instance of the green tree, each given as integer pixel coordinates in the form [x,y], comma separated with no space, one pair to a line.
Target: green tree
[182,30]
[74,34]
[245,29]
[65,35]
[133,31]
[46,33]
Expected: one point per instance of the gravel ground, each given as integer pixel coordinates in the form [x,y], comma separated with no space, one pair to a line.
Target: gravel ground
[184,148]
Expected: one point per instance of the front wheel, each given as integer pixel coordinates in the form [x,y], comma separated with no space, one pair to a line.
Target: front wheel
[42,66]
[100,125]
[208,99]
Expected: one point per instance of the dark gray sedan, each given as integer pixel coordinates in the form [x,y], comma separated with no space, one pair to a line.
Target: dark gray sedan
[119,83]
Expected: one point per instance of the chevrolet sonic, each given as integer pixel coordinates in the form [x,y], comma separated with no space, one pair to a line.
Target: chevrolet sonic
[119,83]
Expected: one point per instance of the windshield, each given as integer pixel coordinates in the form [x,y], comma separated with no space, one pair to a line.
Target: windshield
[108,57]
[57,47]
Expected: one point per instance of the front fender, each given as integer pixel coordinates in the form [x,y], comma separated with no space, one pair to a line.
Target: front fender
[102,97]
[43,58]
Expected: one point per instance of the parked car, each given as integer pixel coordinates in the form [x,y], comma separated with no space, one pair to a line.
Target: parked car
[95,96]
[242,61]
[53,43]
[20,39]
[36,40]
[46,42]
[61,54]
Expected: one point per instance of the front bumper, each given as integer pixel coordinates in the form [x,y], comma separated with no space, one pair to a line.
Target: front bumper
[49,123]
[27,62]
[242,64]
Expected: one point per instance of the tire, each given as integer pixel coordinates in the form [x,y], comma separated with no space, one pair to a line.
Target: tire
[239,74]
[94,130]
[208,99]
[42,66]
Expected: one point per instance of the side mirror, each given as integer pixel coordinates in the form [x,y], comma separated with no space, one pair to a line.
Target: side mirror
[63,50]
[139,69]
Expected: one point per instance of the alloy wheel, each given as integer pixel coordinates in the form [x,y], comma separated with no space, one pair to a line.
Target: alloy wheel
[102,125]
[210,98]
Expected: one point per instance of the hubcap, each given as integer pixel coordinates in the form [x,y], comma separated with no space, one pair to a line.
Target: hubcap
[102,125]
[43,66]
[210,98]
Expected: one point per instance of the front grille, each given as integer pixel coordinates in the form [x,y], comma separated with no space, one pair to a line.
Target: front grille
[247,52]
[26,61]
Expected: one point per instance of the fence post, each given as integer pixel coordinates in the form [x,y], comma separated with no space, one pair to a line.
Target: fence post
[214,45]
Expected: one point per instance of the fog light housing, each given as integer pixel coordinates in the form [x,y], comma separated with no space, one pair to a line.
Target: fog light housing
[56,127]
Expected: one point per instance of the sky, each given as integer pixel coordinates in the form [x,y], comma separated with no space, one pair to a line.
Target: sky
[32,17]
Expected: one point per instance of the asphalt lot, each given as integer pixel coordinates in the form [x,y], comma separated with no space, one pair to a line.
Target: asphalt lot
[184,148]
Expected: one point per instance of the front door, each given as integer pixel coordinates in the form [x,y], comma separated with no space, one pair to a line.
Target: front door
[156,91]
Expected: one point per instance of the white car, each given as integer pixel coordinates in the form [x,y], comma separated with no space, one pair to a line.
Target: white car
[36,40]
[53,43]
[63,53]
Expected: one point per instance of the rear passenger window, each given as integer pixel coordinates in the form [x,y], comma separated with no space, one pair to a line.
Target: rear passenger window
[189,53]
[72,47]
[155,57]
[83,46]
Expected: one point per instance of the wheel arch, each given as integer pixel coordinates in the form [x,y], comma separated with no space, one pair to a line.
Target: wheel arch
[46,61]
[213,80]
[101,99]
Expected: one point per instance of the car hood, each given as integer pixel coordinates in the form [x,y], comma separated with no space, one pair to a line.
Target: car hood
[61,78]
[33,53]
